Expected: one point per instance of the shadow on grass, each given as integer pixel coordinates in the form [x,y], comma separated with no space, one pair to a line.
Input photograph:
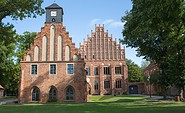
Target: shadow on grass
[121,98]
[96,108]
[106,97]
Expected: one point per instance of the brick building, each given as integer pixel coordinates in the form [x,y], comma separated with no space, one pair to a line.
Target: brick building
[156,89]
[52,70]
[106,67]
[1,92]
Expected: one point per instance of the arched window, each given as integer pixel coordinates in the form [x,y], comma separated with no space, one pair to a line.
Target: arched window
[59,48]
[52,94]
[44,48]
[67,53]
[118,83]
[52,43]
[36,53]
[28,58]
[75,57]
[95,85]
[69,93]
[35,94]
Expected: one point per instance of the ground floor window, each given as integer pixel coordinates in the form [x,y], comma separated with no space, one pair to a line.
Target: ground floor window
[95,85]
[35,94]
[69,93]
[118,83]
[106,84]
[52,94]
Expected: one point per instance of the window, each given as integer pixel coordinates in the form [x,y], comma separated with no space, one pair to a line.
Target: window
[95,85]
[70,68]
[35,94]
[69,93]
[95,70]
[117,70]
[52,68]
[67,53]
[93,57]
[33,69]
[106,70]
[52,94]
[106,84]
[118,83]
[88,71]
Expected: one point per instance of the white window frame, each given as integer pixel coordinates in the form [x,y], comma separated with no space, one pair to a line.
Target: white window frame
[67,68]
[31,69]
[50,68]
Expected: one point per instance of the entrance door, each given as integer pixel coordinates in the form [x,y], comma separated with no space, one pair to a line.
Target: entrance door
[133,89]
[35,94]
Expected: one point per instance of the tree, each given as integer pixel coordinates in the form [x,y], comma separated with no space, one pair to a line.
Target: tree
[157,30]
[20,9]
[16,9]
[144,64]
[134,72]
[23,43]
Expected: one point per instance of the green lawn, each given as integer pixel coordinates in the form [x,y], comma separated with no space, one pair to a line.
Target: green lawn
[100,104]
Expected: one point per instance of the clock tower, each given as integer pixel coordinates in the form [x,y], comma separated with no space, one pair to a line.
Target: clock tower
[54,14]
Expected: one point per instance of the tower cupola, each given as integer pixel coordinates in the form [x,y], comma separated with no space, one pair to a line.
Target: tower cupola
[54,14]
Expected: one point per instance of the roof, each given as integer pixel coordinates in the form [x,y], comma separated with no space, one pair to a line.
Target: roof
[54,6]
[1,87]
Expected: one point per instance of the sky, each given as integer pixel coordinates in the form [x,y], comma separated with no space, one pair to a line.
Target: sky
[80,17]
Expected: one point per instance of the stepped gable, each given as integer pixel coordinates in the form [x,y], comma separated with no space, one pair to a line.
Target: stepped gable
[101,46]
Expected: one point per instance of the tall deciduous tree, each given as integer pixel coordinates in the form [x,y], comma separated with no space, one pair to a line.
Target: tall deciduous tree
[16,9]
[156,29]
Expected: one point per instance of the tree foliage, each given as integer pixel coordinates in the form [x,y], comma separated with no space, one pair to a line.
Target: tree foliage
[157,30]
[23,43]
[20,9]
[134,72]
[16,9]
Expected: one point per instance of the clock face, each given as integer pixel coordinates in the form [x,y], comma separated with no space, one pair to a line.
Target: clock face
[53,13]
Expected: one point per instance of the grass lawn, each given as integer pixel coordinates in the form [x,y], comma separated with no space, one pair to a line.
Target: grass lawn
[100,104]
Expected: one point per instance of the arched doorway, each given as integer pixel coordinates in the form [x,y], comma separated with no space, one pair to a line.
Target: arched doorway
[52,94]
[35,94]
[133,89]
[69,93]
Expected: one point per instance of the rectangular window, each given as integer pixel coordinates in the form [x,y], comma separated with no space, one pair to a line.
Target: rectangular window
[70,68]
[88,71]
[106,70]
[34,69]
[117,70]
[118,83]
[106,84]
[95,70]
[52,68]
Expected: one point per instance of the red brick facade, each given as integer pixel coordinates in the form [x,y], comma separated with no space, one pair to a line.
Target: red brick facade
[106,67]
[155,89]
[52,70]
